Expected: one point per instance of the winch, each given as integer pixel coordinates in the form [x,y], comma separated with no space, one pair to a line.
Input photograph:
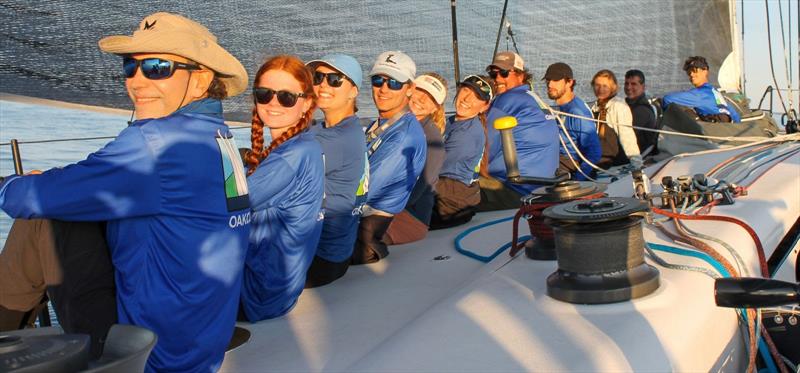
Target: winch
[541,246]
[600,249]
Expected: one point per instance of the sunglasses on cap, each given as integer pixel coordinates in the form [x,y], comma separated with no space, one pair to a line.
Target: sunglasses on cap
[494,72]
[485,89]
[394,84]
[153,68]
[285,98]
[335,80]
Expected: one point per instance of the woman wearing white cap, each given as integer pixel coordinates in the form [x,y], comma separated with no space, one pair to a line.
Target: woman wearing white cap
[458,193]
[427,104]
[337,78]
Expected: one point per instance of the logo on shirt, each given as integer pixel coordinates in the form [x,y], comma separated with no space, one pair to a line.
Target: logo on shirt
[363,185]
[236,196]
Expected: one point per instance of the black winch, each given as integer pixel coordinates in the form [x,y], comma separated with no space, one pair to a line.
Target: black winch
[541,245]
[600,249]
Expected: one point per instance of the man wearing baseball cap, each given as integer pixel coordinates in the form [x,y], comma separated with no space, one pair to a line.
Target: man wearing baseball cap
[396,150]
[535,136]
[337,79]
[704,99]
[560,87]
[171,188]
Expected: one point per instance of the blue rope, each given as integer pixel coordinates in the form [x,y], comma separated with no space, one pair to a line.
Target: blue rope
[483,258]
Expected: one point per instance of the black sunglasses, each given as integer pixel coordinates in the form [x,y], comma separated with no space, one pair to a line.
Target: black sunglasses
[153,68]
[335,80]
[494,72]
[285,98]
[394,84]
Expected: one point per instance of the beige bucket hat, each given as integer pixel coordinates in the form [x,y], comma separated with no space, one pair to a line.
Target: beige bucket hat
[173,34]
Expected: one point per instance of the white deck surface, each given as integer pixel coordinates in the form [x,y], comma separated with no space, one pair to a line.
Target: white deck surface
[411,313]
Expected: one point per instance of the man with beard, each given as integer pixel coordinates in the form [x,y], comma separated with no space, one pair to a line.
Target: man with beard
[560,86]
[535,136]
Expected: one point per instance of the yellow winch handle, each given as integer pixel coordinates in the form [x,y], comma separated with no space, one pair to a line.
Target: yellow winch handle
[504,123]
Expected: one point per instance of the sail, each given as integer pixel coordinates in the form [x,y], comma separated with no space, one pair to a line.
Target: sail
[49,48]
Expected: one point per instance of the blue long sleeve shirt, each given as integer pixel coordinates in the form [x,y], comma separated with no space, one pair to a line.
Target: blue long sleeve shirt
[583,132]
[396,164]
[174,195]
[706,100]
[286,198]
[536,138]
[463,145]
[346,172]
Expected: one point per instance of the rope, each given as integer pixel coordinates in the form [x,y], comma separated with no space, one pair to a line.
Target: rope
[85,138]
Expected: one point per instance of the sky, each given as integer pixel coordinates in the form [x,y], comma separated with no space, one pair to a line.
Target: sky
[756,51]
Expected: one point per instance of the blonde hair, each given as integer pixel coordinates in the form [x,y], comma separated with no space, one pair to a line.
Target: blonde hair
[610,76]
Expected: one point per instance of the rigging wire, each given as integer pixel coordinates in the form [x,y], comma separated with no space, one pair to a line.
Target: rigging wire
[500,30]
[786,56]
[771,62]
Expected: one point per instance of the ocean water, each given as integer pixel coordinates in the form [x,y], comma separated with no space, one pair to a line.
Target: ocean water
[32,122]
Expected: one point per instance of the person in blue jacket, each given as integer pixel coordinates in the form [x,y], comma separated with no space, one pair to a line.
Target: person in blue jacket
[396,149]
[535,136]
[286,182]
[337,78]
[706,100]
[560,87]
[171,187]
[458,193]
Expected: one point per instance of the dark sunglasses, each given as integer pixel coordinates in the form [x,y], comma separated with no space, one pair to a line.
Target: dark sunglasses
[494,72]
[394,84]
[335,80]
[285,98]
[485,88]
[153,68]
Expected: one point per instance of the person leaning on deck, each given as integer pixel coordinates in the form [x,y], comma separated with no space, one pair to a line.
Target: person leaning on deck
[643,112]
[704,99]
[286,180]
[560,87]
[171,188]
[535,136]
[396,148]
[337,80]
[617,138]
[458,193]
[427,104]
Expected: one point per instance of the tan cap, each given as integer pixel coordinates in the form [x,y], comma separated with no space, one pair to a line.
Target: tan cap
[173,34]
[508,61]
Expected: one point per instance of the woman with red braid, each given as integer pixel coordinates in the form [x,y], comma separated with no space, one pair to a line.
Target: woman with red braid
[286,189]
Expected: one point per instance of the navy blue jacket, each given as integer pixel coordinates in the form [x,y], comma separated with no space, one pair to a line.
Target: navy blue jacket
[463,144]
[175,198]
[536,138]
[346,172]
[420,202]
[286,197]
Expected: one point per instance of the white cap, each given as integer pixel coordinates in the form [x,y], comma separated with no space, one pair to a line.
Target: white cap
[395,64]
[433,86]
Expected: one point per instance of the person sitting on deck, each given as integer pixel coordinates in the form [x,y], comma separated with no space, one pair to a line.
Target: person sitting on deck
[396,149]
[337,78]
[617,138]
[171,188]
[560,87]
[286,182]
[644,114]
[704,99]
[535,136]
[466,154]
[427,104]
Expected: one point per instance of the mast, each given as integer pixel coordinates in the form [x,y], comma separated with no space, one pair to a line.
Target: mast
[736,44]
[455,40]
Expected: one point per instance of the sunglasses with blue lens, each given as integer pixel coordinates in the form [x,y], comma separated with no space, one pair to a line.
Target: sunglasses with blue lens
[394,84]
[153,68]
